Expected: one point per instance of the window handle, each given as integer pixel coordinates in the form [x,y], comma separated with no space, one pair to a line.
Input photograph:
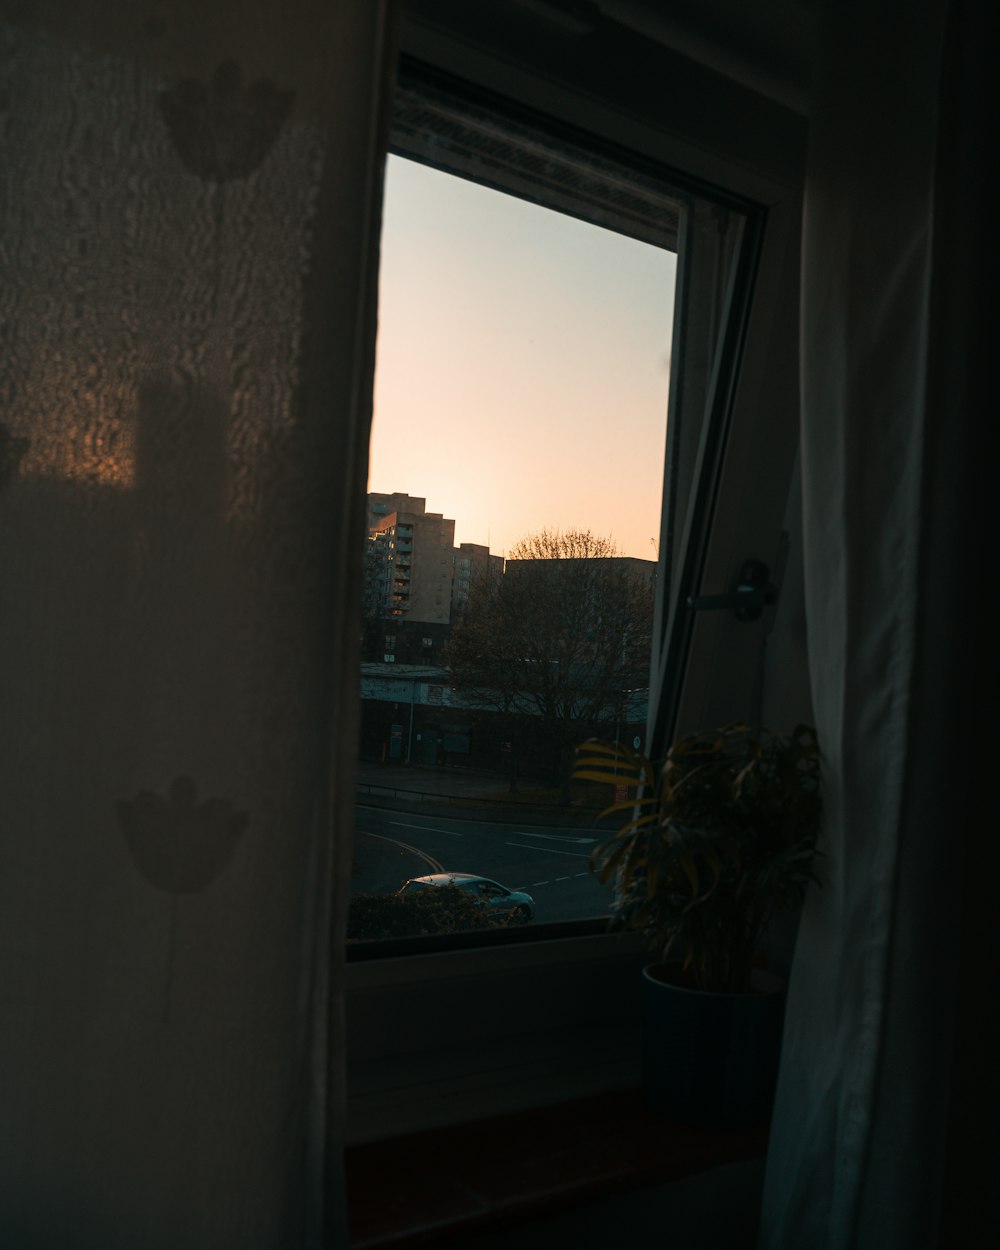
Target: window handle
[749,597]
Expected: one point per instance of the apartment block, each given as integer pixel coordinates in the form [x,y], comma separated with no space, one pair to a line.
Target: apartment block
[408,566]
[471,560]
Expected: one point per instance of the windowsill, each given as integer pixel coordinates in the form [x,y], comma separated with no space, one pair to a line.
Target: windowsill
[434,1188]
[447,1037]
[371,949]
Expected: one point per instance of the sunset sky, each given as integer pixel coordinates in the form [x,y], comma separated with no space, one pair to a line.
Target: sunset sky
[522,365]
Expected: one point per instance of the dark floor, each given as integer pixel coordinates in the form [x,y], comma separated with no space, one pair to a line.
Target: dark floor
[713,1210]
[599,1172]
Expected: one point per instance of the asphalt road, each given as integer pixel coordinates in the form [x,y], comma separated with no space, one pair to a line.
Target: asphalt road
[550,864]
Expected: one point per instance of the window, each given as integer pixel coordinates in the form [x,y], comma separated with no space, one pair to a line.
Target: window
[733,374]
[527,299]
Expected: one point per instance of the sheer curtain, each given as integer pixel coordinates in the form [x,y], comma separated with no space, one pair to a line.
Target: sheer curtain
[188,231]
[884,1135]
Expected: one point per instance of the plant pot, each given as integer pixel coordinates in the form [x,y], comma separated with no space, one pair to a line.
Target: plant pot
[711,1059]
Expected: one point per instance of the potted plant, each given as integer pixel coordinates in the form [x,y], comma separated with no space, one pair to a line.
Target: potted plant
[713,844]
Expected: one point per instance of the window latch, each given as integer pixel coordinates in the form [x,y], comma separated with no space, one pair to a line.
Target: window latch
[752,593]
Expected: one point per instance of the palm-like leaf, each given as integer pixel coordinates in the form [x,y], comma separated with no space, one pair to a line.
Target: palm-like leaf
[715,840]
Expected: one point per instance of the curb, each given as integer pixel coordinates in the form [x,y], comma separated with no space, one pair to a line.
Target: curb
[470,808]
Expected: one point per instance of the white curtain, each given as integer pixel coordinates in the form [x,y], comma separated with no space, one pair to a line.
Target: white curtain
[887,1101]
[188,230]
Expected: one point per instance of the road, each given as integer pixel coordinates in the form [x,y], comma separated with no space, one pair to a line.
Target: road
[550,864]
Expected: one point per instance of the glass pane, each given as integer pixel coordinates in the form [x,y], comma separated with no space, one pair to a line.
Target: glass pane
[517,463]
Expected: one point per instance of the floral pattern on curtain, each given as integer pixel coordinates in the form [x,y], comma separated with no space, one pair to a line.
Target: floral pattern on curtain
[188,232]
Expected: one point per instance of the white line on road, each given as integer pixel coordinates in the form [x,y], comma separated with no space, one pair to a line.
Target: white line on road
[429,860]
[552,837]
[547,850]
[402,824]
[572,877]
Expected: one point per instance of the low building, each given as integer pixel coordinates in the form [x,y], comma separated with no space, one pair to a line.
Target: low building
[471,561]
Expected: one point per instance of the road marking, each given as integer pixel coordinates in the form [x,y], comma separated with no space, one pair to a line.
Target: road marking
[431,862]
[547,850]
[551,837]
[534,884]
[402,824]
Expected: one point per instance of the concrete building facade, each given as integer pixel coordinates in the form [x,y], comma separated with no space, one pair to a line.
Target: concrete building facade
[408,566]
[471,560]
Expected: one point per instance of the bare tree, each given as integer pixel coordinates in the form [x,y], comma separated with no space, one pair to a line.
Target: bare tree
[559,637]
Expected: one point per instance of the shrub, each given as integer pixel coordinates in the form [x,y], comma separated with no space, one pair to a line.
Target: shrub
[443,909]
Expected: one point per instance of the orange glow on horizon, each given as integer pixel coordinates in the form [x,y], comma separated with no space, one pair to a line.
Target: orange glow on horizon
[522,365]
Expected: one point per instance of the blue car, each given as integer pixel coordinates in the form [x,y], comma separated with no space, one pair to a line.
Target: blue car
[496,898]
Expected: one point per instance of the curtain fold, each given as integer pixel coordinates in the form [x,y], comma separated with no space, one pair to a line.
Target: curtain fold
[892,310]
[189,232]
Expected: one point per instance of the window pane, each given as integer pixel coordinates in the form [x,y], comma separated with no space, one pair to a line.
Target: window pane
[519,543]
[520,417]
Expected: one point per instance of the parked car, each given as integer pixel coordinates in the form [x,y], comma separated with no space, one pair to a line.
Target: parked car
[488,893]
